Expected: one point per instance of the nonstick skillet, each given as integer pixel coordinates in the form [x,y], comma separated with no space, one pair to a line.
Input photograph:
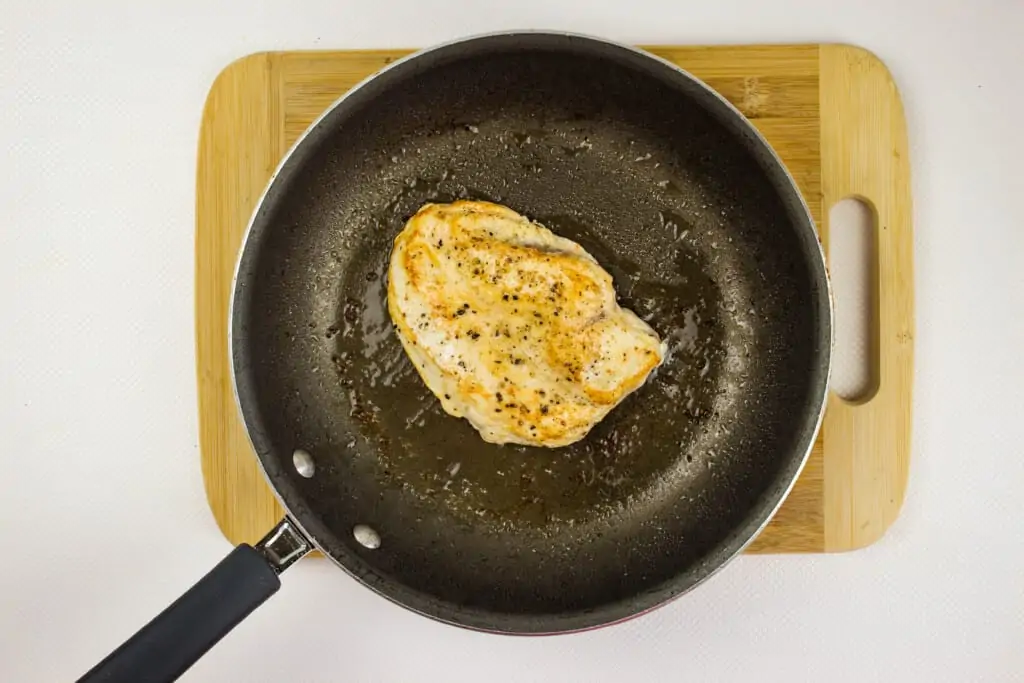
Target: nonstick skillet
[707,239]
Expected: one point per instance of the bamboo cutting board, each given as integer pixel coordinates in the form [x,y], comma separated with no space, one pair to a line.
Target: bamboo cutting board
[833,114]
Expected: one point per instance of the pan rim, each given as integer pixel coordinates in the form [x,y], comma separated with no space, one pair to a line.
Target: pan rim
[729,547]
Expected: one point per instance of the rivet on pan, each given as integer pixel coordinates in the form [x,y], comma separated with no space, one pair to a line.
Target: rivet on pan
[303,462]
[367,536]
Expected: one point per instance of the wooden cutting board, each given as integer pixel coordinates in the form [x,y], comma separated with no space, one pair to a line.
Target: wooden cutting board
[833,114]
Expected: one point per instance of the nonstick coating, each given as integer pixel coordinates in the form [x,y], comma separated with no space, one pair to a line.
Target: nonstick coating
[706,238]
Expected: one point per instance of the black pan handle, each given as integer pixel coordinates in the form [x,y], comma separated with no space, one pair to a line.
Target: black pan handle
[172,642]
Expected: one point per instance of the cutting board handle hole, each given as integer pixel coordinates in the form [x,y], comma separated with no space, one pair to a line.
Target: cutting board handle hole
[853,267]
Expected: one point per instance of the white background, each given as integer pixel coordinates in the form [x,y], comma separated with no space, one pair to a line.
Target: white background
[103,519]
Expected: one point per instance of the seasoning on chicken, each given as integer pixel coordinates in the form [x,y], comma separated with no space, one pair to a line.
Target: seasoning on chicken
[512,327]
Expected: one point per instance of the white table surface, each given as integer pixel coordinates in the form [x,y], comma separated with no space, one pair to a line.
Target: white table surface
[103,520]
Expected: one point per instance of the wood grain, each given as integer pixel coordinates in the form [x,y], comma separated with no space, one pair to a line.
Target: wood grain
[240,143]
[865,155]
[851,487]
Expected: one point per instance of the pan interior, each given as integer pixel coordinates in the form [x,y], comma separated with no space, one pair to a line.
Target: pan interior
[705,240]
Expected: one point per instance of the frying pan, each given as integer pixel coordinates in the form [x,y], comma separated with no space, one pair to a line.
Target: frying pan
[707,238]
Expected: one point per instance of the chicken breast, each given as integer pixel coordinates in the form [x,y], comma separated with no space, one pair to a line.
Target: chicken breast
[512,327]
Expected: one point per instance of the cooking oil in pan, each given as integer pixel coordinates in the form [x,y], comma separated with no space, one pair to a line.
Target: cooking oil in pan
[442,460]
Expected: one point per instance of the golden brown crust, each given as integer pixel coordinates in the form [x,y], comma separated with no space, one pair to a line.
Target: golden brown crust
[511,326]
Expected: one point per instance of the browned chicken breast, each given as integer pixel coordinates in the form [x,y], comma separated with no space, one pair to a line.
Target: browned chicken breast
[512,327]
